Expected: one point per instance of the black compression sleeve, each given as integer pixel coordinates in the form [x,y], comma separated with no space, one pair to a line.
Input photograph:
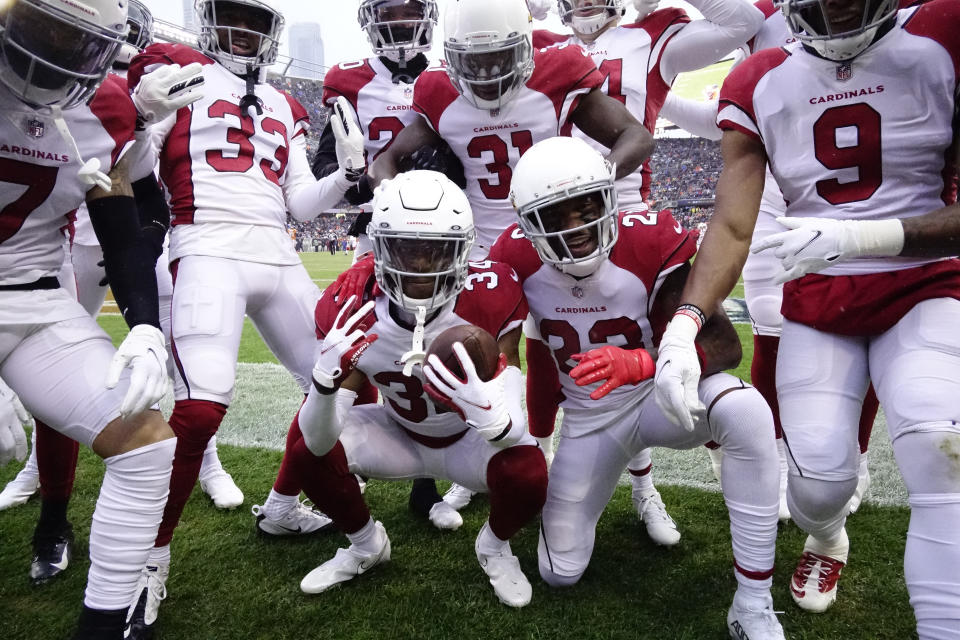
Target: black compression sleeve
[128,261]
[325,160]
[153,212]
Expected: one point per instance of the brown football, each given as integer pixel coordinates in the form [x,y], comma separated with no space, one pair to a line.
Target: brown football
[480,345]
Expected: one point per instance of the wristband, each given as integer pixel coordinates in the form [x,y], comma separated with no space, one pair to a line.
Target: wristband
[692,311]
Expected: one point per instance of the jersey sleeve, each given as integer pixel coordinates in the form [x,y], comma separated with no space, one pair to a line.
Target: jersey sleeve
[512,248]
[112,105]
[346,79]
[543,38]
[564,73]
[432,94]
[161,54]
[650,244]
[662,23]
[736,108]
[492,299]
[301,119]
[939,20]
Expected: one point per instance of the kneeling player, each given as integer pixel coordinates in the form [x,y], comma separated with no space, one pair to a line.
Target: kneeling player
[601,286]
[422,232]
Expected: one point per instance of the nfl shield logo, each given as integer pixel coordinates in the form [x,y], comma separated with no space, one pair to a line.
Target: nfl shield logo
[408,92]
[844,71]
[35,128]
[577,292]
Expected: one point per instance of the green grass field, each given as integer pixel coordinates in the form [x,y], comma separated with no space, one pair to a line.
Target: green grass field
[228,583]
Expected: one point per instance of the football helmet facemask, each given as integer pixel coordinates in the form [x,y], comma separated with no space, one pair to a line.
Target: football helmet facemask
[562,179]
[140,21]
[842,36]
[488,48]
[422,232]
[242,35]
[589,16]
[398,29]
[55,52]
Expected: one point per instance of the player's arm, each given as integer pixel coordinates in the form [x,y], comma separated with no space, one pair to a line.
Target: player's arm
[608,122]
[306,196]
[414,136]
[325,159]
[699,118]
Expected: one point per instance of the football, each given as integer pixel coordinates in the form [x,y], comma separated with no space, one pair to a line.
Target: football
[480,345]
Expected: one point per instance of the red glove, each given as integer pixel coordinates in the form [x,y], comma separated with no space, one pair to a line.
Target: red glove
[615,365]
[353,282]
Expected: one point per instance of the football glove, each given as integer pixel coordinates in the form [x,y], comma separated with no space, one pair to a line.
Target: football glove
[13,439]
[813,244]
[349,139]
[167,89]
[678,374]
[645,8]
[143,352]
[614,365]
[540,9]
[351,284]
[341,348]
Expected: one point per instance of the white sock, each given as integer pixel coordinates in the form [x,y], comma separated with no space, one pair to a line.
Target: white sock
[30,473]
[159,556]
[642,484]
[489,544]
[932,564]
[277,505]
[211,462]
[125,522]
[367,538]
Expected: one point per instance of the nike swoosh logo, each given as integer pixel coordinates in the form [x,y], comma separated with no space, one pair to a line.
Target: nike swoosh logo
[479,406]
[297,530]
[816,234]
[62,564]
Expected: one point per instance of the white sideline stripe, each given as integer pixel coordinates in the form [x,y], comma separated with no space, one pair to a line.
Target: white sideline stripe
[266,399]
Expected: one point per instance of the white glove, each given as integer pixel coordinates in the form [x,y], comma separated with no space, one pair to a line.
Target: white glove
[678,374]
[341,348]
[142,351]
[167,89]
[13,440]
[813,244]
[540,9]
[349,139]
[645,8]
[483,405]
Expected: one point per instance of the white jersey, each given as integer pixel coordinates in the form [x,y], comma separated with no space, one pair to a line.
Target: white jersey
[611,306]
[490,142]
[864,140]
[229,173]
[491,300]
[39,183]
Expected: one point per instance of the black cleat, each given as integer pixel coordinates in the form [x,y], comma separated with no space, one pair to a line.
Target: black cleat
[423,496]
[95,624]
[52,551]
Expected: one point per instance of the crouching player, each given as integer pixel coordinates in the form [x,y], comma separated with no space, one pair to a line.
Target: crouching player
[601,286]
[422,232]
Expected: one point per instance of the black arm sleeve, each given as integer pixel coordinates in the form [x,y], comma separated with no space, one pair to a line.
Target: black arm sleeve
[325,160]
[128,261]
[153,212]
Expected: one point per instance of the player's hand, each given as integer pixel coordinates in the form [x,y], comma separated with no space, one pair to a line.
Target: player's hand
[351,284]
[341,348]
[645,8]
[540,9]
[144,353]
[813,244]
[678,374]
[167,89]
[615,365]
[349,139]
[482,405]
[13,439]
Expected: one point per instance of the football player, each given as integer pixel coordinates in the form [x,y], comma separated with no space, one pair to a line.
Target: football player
[13,416]
[234,164]
[639,62]
[601,285]
[422,231]
[64,130]
[845,91]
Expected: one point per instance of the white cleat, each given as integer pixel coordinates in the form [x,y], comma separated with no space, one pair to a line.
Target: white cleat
[863,485]
[457,496]
[660,526]
[511,586]
[346,564]
[221,488]
[300,520]
[19,490]
[814,582]
[151,590]
[753,619]
[443,516]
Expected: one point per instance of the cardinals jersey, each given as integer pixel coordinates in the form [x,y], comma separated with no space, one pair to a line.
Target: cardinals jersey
[39,183]
[383,107]
[492,300]
[628,58]
[611,306]
[862,140]
[489,142]
[228,173]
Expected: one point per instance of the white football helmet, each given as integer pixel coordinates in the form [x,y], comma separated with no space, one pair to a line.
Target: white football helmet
[809,20]
[489,50]
[398,29]
[589,16]
[140,21]
[548,174]
[260,28]
[57,52]
[422,232]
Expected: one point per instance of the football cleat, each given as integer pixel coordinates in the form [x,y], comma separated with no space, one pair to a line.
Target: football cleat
[221,488]
[347,564]
[151,590]
[300,520]
[814,582]
[511,586]
[19,490]
[753,619]
[863,485]
[52,551]
[443,516]
[660,526]
[423,495]
[457,496]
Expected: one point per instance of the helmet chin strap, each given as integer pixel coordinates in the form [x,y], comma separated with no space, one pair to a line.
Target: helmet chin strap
[89,173]
[251,100]
[416,355]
